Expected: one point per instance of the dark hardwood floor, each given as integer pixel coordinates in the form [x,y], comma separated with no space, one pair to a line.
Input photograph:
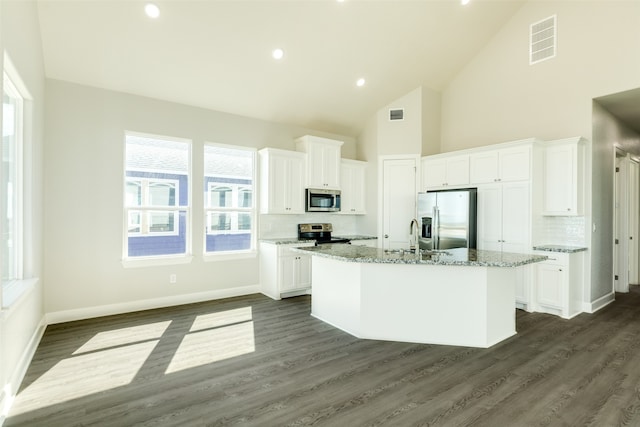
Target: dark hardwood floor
[252,361]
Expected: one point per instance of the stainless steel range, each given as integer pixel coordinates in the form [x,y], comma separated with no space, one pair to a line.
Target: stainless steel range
[320,232]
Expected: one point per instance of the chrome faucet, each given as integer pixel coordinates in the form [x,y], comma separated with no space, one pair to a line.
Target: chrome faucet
[413,237]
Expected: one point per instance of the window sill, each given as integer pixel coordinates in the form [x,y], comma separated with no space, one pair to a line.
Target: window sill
[226,256]
[11,292]
[156,261]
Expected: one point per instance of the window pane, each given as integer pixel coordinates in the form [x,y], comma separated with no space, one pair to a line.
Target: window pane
[244,221]
[219,221]
[228,184]
[11,184]
[244,198]
[161,222]
[220,197]
[157,176]
[134,193]
[135,222]
[162,194]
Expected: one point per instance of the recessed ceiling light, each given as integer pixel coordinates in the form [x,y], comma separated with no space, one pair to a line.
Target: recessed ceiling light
[360,82]
[464,2]
[277,54]
[152,10]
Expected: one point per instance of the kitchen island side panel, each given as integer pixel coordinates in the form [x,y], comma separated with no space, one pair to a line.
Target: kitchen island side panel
[425,304]
[335,293]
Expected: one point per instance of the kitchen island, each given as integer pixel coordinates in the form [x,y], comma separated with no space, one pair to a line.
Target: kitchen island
[460,297]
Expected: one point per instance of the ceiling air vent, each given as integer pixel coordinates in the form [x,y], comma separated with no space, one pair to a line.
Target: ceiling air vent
[396,114]
[542,40]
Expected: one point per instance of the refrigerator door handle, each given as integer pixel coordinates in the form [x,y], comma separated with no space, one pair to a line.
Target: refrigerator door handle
[436,227]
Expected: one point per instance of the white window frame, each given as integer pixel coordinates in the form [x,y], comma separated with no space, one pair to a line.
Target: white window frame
[234,209]
[154,260]
[13,84]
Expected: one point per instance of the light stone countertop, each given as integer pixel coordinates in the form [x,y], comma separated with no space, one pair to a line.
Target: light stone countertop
[295,240]
[460,256]
[560,248]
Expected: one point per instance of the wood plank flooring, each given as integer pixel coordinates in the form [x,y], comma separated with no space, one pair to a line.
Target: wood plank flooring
[251,361]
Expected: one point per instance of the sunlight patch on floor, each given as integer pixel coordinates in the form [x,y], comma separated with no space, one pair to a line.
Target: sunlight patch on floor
[224,318]
[217,336]
[83,375]
[124,336]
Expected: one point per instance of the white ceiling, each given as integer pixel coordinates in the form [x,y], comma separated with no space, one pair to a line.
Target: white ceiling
[217,54]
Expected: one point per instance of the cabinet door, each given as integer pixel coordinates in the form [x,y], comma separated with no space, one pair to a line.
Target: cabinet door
[434,173]
[303,271]
[560,193]
[516,212]
[331,166]
[352,183]
[490,217]
[287,273]
[295,186]
[550,283]
[515,164]
[279,191]
[484,167]
[457,170]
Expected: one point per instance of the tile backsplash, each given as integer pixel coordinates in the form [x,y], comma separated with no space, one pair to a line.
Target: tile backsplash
[279,226]
[560,230]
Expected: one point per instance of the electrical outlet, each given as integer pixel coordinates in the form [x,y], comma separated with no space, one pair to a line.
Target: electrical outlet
[173,278]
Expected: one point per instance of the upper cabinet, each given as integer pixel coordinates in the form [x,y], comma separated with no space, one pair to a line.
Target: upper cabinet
[502,165]
[323,161]
[442,171]
[353,186]
[563,177]
[281,181]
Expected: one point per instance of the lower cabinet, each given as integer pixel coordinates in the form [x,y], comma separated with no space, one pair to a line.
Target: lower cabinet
[284,273]
[559,282]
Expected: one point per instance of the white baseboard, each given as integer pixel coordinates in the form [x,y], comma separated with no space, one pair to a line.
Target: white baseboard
[10,390]
[110,309]
[601,302]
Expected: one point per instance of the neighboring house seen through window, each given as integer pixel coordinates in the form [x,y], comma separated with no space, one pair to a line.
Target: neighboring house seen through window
[157,196]
[229,206]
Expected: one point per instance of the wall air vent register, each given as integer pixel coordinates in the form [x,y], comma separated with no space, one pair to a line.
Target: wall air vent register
[396,114]
[543,40]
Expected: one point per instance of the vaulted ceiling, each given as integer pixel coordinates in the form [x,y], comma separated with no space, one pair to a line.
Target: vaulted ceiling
[217,54]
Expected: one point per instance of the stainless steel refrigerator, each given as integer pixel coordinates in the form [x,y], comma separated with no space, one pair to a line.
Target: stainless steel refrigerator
[448,219]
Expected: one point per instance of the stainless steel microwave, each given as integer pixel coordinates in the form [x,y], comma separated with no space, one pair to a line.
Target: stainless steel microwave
[322,200]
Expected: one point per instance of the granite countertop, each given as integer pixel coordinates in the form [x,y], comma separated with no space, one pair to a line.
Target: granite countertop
[560,248]
[461,256]
[295,240]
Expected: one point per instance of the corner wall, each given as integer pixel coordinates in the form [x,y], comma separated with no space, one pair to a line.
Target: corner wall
[499,97]
[22,322]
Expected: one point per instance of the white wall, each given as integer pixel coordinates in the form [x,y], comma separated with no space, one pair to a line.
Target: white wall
[499,97]
[21,323]
[84,203]
[608,132]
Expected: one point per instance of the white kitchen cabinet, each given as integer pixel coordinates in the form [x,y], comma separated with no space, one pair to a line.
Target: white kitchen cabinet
[323,161]
[353,184]
[564,177]
[504,224]
[559,282]
[501,165]
[281,181]
[444,171]
[283,272]
[504,217]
